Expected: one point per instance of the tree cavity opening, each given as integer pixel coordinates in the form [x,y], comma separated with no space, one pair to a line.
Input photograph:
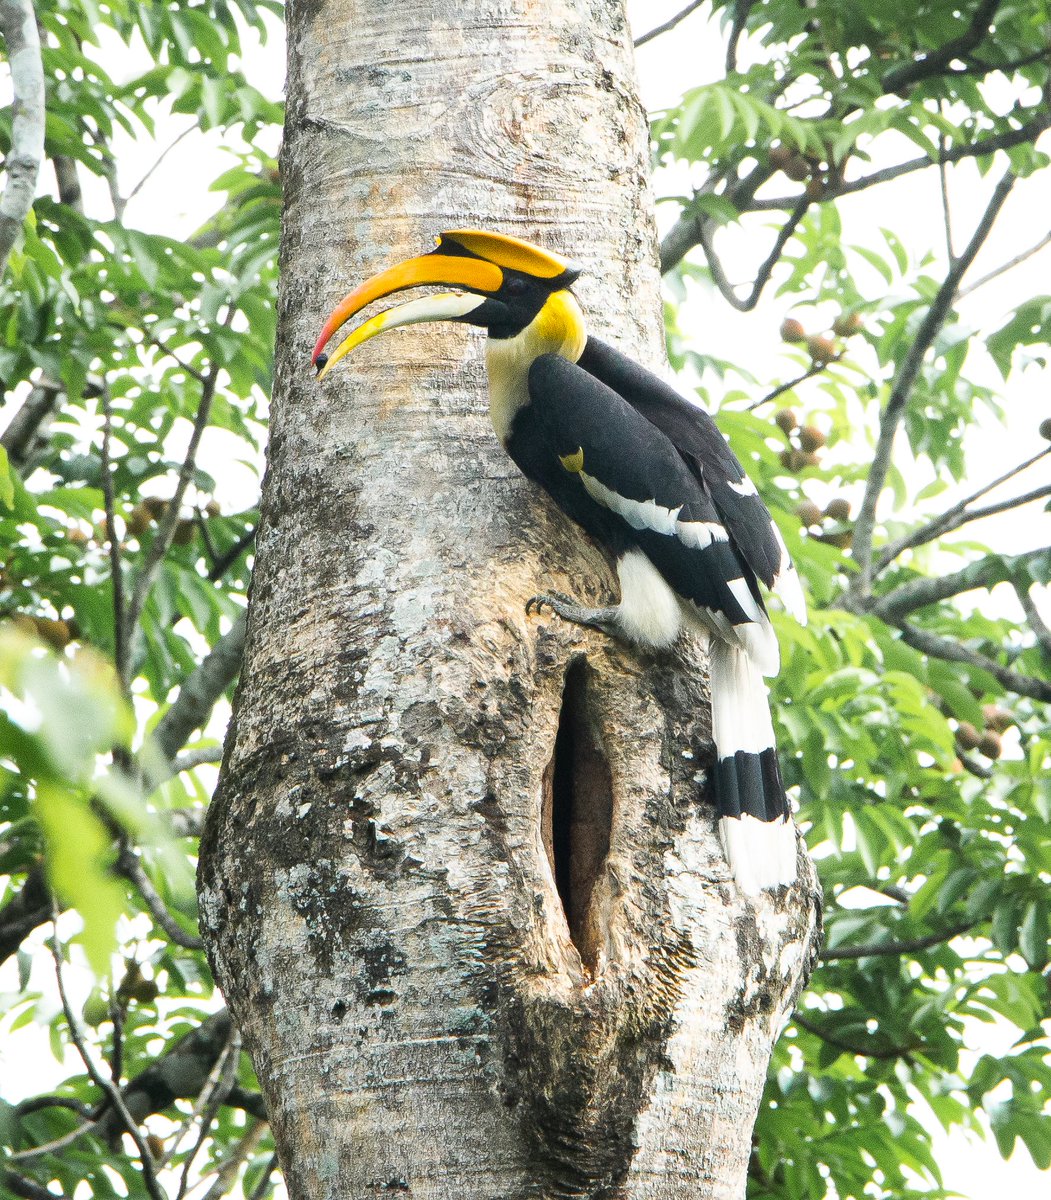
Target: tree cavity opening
[577,812]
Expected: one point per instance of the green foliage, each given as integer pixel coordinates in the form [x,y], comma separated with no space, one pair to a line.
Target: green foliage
[121,338]
[933,855]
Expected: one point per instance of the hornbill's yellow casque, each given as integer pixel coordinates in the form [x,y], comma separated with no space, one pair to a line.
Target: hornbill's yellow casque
[643,471]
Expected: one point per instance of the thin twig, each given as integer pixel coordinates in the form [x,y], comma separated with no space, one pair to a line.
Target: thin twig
[943,185]
[59,1143]
[1036,621]
[128,865]
[1000,141]
[906,378]
[906,946]
[814,369]
[958,515]
[19,28]
[685,233]
[157,162]
[1004,267]
[164,348]
[668,25]
[166,527]
[763,274]
[120,641]
[741,10]
[106,1086]
[227,1170]
[210,1100]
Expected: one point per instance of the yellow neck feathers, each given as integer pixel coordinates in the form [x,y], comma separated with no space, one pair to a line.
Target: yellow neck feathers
[558,328]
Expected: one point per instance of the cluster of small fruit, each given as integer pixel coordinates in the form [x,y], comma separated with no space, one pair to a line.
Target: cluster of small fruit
[146,513]
[820,176]
[153,509]
[989,741]
[56,632]
[823,348]
[804,441]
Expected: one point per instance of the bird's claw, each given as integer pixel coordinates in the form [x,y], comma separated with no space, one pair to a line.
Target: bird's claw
[552,600]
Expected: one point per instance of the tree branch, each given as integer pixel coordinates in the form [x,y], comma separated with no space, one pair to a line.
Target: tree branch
[19,437]
[849,1047]
[763,274]
[906,946]
[128,865]
[668,25]
[200,691]
[25,1188]
[1004,267]
[24,912]
[68,182]
[120,640]
[687,230]
[1036,621]
[935,63]
[1001,141]
[741,10]
[918,593]
[19,28]
[939,647]
[37,1103]
[108,1088]
[227,560]
[196,757]
[958,515]
[903,384]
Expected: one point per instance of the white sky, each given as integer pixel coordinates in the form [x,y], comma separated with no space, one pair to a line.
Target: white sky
[693,54]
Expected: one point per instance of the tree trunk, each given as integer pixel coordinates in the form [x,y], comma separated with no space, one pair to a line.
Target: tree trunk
[461,881]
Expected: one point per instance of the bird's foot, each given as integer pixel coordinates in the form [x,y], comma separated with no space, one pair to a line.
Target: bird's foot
[604,619]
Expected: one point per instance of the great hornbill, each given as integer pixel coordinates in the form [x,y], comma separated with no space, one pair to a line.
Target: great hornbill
[648,475]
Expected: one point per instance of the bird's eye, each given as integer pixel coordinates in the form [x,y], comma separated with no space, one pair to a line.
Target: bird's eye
[515,286]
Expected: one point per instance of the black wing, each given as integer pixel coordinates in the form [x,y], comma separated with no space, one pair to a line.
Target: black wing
[620,477]
[710,461]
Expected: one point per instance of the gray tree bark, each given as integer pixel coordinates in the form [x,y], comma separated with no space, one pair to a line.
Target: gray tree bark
[461,884]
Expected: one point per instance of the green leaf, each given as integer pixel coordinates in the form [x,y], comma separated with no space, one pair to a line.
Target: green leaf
[7,483]
[80,850]
[1033,935]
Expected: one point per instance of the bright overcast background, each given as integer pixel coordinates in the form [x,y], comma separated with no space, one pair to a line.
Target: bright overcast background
[175,201]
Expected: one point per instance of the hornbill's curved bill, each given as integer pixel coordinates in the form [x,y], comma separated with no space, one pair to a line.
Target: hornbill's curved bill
[648,475]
